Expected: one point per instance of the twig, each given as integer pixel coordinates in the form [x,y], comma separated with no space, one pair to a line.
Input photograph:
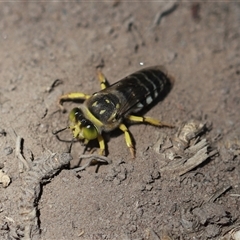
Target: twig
[92,157]
[23,162]
[218,193]
[168,9]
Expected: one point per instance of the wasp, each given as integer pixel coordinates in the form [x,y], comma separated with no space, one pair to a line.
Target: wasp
[109,108]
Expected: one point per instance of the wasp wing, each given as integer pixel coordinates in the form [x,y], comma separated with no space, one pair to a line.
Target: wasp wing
[140,89]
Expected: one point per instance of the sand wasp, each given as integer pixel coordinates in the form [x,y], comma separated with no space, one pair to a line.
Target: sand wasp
[107,109]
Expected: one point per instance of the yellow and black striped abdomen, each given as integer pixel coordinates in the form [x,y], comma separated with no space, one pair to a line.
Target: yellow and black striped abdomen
[141,88]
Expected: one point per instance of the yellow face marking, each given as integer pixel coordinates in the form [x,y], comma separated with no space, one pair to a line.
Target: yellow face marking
[107,101]
[118,106]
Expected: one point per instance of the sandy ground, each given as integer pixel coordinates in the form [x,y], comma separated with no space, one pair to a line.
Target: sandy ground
[183,183]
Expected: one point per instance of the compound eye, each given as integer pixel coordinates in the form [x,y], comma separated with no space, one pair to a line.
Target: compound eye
[85,123]
[82,126]
[89,132]
[73,115]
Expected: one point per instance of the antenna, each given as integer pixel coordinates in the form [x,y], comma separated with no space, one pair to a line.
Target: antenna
[58,131]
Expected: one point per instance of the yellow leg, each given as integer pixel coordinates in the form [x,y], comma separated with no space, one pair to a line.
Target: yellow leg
[128,139]
[72,96]
[102,79]
[149,120]
[101,145]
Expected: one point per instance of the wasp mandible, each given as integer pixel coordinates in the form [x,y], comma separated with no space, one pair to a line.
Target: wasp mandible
[108,109]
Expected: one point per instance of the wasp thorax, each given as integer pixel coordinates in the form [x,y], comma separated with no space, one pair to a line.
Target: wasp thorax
[81,127]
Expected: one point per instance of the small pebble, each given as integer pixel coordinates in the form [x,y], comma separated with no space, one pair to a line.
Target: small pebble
[8,151]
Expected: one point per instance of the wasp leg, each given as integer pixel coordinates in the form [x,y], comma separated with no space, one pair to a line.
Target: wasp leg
[102,79]
[101,145]
[128,139]
[149,120]
[72,96]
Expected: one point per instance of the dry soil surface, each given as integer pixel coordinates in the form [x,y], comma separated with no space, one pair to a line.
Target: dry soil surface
[184,181]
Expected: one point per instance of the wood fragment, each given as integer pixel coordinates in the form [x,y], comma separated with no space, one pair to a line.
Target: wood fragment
[33,176]
[184,165]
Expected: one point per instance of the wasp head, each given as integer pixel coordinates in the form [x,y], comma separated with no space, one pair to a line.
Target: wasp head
[81,127]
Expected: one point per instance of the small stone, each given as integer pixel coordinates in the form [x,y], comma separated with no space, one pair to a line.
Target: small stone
[148,187]
[8,151]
